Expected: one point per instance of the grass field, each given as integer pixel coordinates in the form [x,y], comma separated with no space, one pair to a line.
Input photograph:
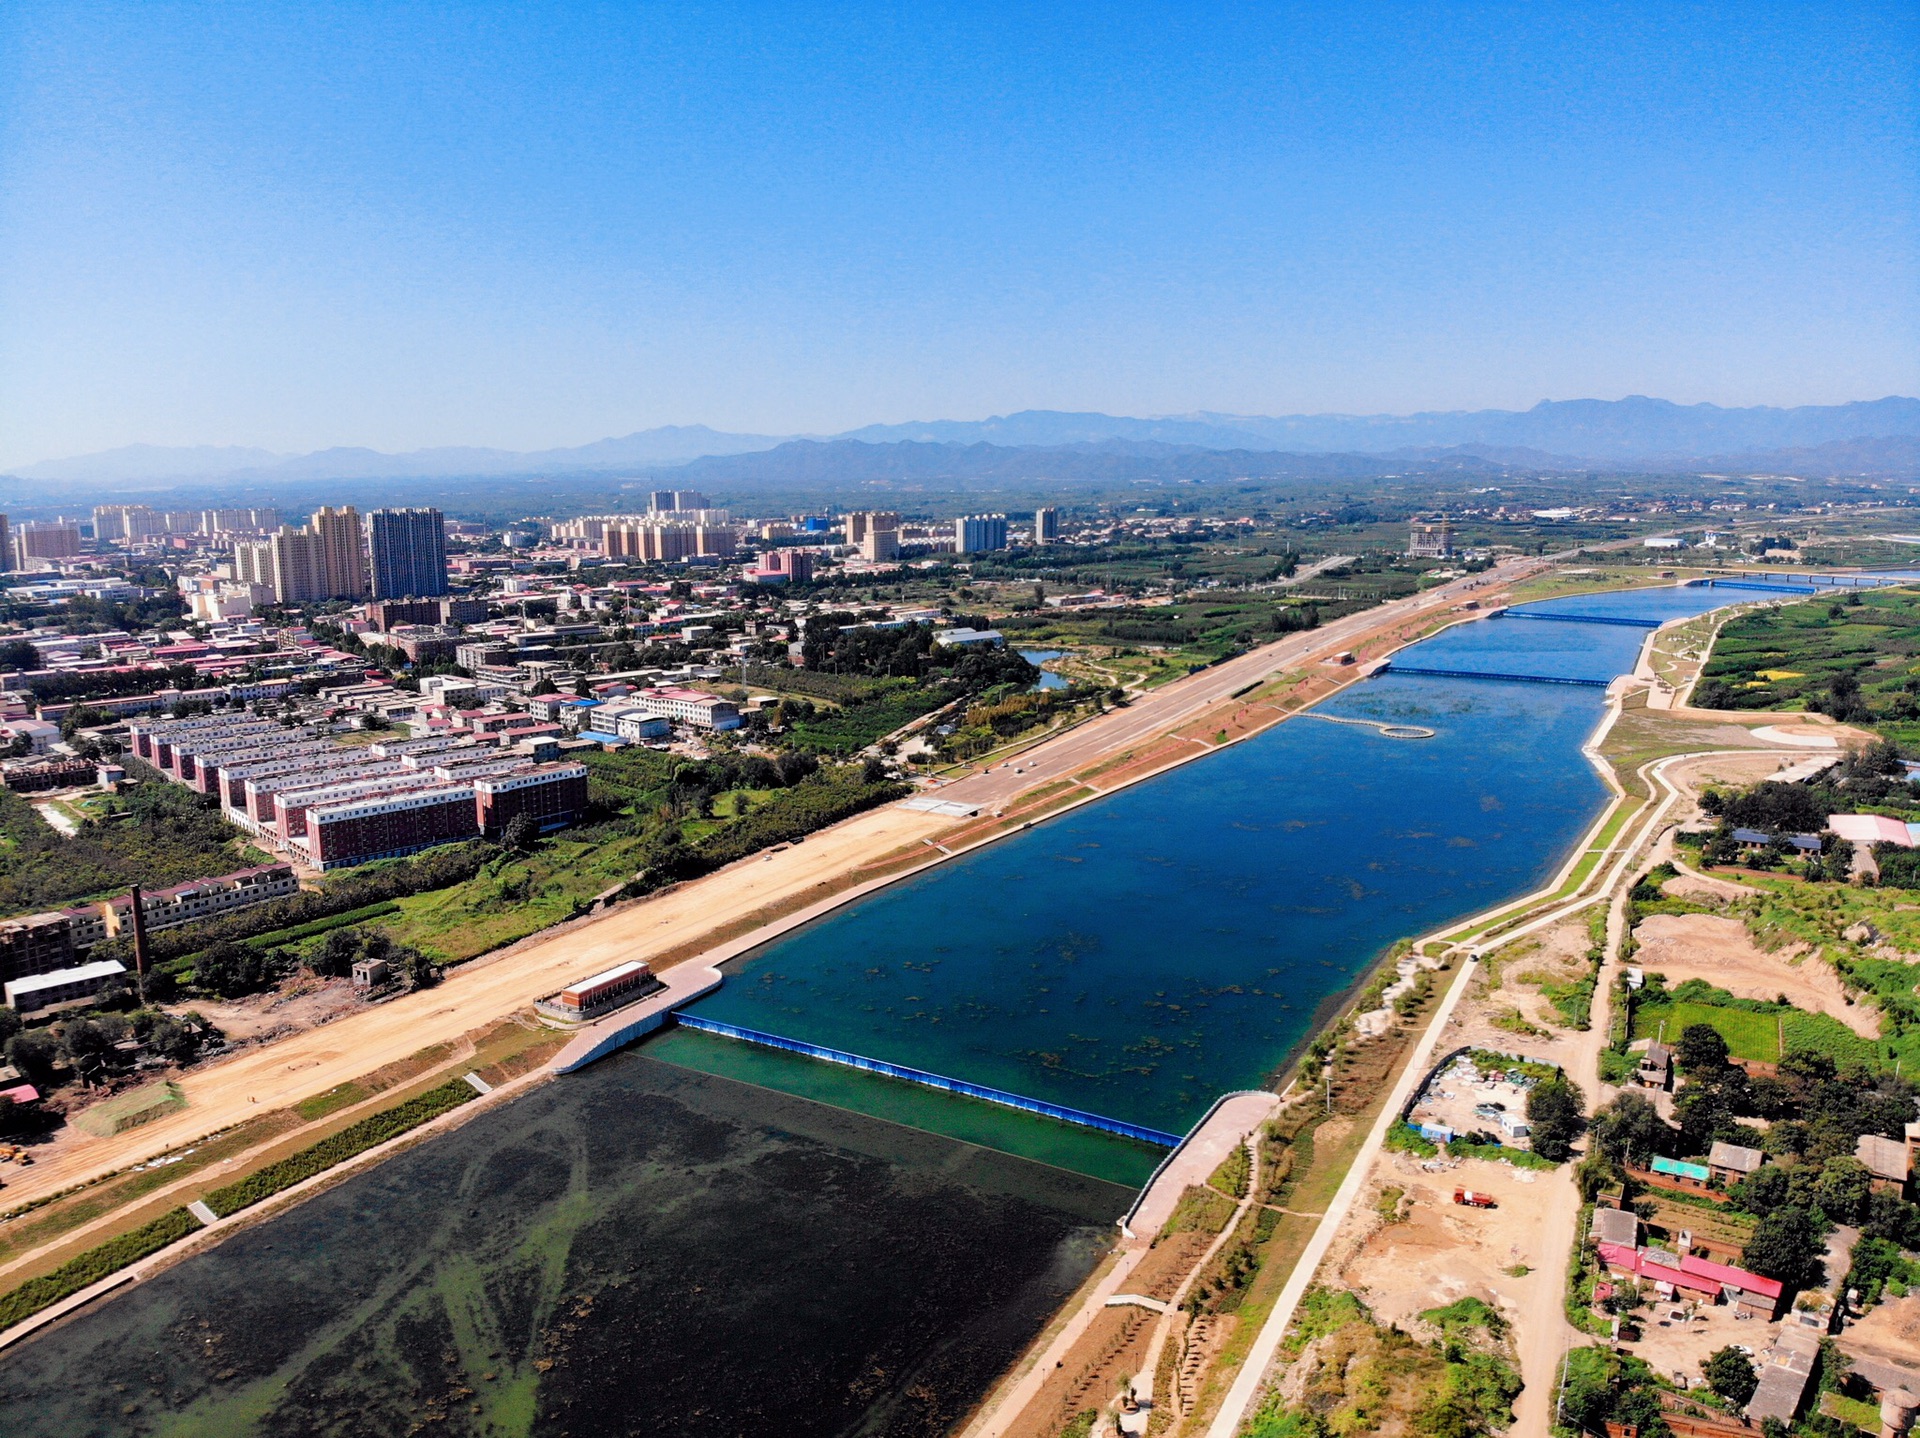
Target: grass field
[1757,1036]
[1559,583]
[1748,1035]
[520,897]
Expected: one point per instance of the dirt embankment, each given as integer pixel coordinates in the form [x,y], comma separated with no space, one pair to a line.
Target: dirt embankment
[1722,952]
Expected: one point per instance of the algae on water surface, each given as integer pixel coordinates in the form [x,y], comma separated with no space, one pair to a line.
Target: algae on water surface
[638,1247]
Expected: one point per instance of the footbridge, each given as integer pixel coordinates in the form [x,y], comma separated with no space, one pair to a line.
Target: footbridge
[1427,673]
[932,1080]
[1561,617]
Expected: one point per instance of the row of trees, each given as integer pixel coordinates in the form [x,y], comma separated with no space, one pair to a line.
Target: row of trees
[1871,776]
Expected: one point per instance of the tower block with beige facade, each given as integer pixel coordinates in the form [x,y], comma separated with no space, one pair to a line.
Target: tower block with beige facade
[324,559]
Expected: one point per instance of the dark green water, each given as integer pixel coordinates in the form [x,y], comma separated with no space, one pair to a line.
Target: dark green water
[635,1249]
[1063,1145]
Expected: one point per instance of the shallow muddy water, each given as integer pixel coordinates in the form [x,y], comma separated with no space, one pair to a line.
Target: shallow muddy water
[636,1248]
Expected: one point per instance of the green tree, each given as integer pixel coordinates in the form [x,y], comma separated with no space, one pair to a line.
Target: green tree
[1843,1189]
[337,955]
[1787,1244]
[521,834]
[89,1042]
[35,1053]
[1701,1049]
[229,971]
[1630,1130]
[1708,1110]
[422,972]
[1730,1374]
[1556,1112]
[1767,1189]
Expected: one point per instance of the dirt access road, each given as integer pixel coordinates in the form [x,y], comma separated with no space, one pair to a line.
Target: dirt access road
[1155,713]
[229,1092]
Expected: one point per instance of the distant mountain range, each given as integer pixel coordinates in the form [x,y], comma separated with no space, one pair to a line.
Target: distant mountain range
[147,463]
[1635,429]
[1868,437]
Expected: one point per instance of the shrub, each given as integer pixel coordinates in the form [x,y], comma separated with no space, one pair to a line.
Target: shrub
[1403,1137]
[330,1152]
[95,1264]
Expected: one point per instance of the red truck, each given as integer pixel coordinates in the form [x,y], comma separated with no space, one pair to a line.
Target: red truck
[1473,1200]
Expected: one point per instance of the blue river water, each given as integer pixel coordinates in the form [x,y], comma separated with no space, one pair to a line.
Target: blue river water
[1037,657]
[1140,955]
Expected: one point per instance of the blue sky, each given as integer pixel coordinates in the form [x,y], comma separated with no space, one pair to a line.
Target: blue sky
[523,225]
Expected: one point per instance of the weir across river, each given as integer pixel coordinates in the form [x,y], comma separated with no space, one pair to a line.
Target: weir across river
[1758,588]
[1488,674]
[1557,618]
[932,1080]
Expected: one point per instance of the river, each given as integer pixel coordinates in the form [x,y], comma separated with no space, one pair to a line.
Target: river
[1140,955]
[644,1246]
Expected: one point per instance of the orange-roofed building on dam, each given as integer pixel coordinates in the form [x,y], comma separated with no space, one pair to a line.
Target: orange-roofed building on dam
[601,994]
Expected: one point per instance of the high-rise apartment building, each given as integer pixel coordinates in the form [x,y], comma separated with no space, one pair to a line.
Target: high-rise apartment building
[253,562]
[644,542]
[676,501]
[127,523]
[343,555]
[1046,524]
[239,521]
[6,546]
[293,567]
[974,533]
[43,539]
[653,540]
[880,545]
[407,553]
[322,560]
[783,566]
[862,523]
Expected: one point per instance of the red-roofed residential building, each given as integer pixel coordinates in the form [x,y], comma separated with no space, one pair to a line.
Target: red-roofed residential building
[1695,1277]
